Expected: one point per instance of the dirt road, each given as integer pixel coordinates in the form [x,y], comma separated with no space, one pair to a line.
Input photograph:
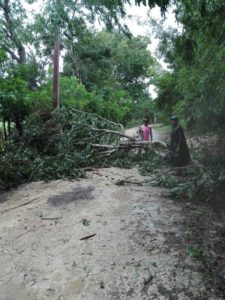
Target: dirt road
[157,135]
[137,251]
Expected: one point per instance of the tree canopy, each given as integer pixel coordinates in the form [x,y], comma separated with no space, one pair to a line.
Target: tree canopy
[107,72]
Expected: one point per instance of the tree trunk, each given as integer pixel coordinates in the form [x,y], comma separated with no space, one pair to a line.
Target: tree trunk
[22,54]
[56,72]
[9,128]
[19,126]
[4,130]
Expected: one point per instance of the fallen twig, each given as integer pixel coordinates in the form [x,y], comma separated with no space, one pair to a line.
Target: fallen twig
[24,233]
[147,283]
[23,204]
[87,237]
[102,146]
[108,153]
[50,219]
[123,182]
[148,280]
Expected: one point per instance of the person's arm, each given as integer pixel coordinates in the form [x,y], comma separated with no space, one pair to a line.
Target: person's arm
[140,132]
[180,136]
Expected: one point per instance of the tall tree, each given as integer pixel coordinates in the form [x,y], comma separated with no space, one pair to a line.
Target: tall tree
[13,29]
[196,59]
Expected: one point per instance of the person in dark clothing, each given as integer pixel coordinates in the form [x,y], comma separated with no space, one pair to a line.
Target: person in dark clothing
[179,153]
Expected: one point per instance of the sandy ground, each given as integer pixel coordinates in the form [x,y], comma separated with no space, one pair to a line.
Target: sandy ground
[138,250]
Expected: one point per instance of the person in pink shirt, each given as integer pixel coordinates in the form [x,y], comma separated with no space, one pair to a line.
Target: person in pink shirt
[146,131]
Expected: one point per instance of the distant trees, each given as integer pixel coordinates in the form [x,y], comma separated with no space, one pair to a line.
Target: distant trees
[106,72]
[113,66]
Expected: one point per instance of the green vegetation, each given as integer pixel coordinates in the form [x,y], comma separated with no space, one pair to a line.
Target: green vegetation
[195,252]
[105,72]
[194,87]
[108,73]
[53,146]
[204,181]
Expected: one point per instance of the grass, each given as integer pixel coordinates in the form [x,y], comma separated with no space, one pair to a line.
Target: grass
[162,128]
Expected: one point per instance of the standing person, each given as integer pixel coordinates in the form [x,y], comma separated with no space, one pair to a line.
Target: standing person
[146,131]
[179,154]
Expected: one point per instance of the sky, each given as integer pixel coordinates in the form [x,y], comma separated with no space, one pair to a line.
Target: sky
[138,18]
[144,14]
[135,16]
[138,23]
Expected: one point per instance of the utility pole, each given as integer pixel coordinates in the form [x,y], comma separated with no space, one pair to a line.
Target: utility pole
[56,71]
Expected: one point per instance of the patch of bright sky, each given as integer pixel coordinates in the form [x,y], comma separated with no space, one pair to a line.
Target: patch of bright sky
[142,14]
[138,23]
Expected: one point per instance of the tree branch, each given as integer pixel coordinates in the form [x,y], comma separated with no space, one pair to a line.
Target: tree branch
[13,55]
[11,34]
[95,115]
[113,132]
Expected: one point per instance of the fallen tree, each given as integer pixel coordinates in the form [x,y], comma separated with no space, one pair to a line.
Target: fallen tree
[64,143]
[60,144]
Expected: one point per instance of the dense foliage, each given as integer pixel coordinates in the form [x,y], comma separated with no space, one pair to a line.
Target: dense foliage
[193,88]
[55,145]
[108,73]
[195,85]
[105,72]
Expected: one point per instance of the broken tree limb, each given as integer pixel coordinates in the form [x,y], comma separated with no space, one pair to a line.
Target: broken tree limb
[102,146]
[95,115]
[143,143]
[112,132]
[123,182]
[141,183]
[129,144]
[78,142]
[108,153]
